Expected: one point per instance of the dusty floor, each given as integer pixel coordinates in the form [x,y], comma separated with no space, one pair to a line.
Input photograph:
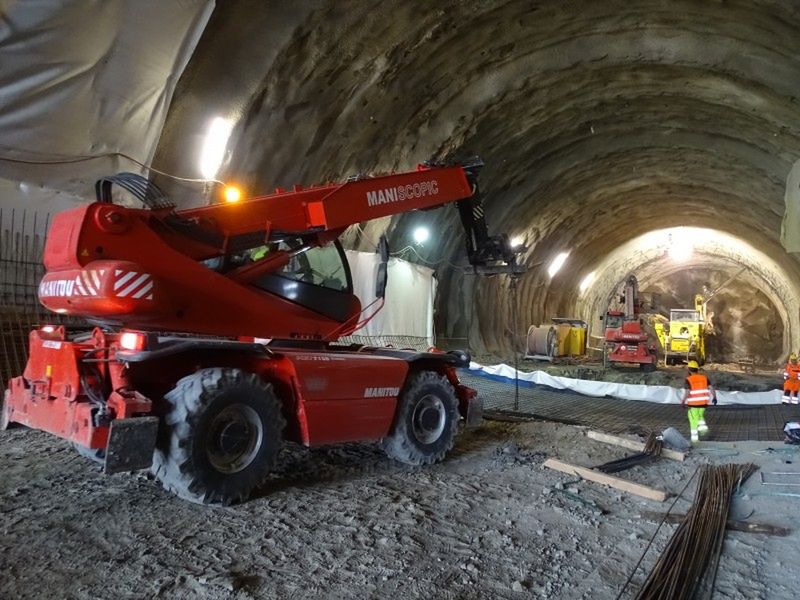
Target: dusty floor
[344,522]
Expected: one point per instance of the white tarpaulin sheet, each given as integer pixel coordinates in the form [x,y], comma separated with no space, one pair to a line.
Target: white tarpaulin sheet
[410,295]
[84,78]
[624,391]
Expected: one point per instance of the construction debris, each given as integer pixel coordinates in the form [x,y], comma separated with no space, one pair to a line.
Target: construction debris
[633,445]
[688,566]
[651,451]
[615,482]
[673,438]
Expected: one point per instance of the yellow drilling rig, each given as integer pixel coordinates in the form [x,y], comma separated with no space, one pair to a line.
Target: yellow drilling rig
[682,338]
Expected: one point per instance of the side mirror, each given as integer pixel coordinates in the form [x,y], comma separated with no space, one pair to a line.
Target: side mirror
[383,249]
[382,277]
[381,280]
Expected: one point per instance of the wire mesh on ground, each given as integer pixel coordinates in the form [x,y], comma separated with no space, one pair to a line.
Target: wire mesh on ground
[727,424]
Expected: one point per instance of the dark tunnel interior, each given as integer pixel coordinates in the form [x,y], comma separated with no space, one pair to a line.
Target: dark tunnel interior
[614,134]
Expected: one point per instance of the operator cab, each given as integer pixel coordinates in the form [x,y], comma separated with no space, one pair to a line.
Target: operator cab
[684,314]
[317,278]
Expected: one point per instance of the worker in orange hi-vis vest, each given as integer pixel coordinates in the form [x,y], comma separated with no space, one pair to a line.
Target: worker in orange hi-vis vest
[791,380]
[697,395]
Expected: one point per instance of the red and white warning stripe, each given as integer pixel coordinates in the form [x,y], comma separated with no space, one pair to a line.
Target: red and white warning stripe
[130,284]
[87,283]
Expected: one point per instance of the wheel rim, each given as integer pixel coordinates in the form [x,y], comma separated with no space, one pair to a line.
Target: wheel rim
[234,438]
[428,419]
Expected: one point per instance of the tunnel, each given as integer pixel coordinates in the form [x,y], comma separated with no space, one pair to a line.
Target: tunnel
[600,129]
[209,383]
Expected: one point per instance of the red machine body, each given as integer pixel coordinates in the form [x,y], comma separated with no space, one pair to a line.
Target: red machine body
[144,269]
[269,267]
[625,340]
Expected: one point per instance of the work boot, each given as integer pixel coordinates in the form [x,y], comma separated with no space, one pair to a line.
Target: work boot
[794,400]
[695,436]
[787,400]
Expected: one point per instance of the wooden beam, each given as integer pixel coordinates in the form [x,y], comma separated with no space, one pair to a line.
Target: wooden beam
[632,444]
[615,482]
[743,526]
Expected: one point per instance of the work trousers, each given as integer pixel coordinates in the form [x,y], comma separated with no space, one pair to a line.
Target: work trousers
[697,421]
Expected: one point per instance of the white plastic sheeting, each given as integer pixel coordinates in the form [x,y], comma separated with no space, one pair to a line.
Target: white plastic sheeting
[624,391]
[85,78]
[410,295]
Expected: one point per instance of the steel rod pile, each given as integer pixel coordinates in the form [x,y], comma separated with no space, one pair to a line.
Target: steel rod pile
[652,449]
[688,566]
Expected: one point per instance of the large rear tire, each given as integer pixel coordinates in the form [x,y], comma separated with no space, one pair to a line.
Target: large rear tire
[426,421]
[220,438]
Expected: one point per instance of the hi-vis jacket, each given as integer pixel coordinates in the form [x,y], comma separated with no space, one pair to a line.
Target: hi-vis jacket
[699,391]
[791,371]
[791,377]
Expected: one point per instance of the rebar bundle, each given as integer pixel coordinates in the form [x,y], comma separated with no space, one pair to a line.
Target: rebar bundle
[652,449]
[688,566]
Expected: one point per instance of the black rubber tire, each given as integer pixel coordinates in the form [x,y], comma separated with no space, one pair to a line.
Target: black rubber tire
[97,455]
[181,461]
[402,444]
[647,367]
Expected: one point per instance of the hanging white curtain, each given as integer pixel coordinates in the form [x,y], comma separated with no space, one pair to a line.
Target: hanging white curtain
[410,294]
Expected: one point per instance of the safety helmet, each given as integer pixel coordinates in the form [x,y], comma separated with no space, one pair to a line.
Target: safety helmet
[693,364]
[793,356]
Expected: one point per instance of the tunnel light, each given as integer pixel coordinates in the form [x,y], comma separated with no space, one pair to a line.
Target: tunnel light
[680,245]
[517,241]
[557,263]
[587,281]
[213,150]
[681,253]
[421,235]
[232,193]
[48,329]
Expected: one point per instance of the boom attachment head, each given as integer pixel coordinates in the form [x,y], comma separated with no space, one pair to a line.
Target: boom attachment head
[488,254]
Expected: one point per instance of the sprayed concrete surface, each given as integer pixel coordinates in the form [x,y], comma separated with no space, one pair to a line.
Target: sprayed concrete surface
[344,522]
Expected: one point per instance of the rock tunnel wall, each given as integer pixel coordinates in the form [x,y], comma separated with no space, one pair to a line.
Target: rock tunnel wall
[599,122]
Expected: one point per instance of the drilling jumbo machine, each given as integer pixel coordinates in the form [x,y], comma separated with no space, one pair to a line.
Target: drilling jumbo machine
[206,407]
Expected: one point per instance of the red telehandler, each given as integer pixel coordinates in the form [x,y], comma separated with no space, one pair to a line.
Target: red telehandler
[205,407]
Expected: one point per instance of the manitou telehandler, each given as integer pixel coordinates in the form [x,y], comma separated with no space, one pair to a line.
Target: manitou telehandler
[171,378]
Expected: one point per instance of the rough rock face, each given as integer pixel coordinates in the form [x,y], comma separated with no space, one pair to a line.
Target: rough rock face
[746,322]
[599,122]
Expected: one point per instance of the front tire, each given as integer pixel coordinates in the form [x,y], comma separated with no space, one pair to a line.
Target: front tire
[426,421]
[220,438]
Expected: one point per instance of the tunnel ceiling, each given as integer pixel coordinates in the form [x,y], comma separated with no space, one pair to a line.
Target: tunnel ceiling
[598,122]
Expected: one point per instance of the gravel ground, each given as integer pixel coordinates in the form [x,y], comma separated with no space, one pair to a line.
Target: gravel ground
[344,522]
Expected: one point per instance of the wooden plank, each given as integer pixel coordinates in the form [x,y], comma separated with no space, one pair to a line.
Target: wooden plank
[632,444]
[615,482]
[743,526]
